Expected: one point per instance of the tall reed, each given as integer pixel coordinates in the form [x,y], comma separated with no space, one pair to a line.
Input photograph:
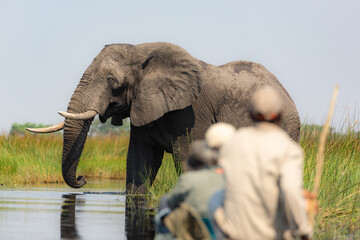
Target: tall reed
[339,192]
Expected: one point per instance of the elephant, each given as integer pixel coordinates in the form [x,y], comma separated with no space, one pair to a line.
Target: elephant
[171,98]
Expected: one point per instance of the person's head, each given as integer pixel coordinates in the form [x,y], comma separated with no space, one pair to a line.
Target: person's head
[200,155]
[265,105]
[218,134]
[205,152]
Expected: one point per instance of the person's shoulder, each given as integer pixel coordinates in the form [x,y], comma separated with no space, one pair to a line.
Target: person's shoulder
[284,134]
[213,170]
[187,174]
[281,135]
[192,176]
[286,138]
[187,179]
[281,132]
[244,131]
[237,137]
[288,143]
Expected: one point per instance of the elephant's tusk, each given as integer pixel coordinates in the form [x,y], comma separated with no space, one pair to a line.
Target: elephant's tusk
[50,129]
[79,116]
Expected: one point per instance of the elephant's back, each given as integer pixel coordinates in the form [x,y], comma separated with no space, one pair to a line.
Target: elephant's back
[256,73]
[238,81]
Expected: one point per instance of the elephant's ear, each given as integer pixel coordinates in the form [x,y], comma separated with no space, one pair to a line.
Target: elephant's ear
[169,81]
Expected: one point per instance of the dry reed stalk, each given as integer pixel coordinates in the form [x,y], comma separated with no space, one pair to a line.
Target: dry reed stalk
[320,155]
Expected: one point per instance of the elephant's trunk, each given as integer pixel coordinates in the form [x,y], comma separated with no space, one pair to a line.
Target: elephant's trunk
[75,133]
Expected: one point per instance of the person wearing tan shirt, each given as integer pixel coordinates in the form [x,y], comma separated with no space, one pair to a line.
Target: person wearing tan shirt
[263,167]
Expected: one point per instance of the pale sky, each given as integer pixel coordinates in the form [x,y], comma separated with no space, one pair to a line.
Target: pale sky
[45,46]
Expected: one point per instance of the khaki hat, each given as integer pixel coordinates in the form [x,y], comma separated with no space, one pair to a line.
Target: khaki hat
[218,134]
[265,104]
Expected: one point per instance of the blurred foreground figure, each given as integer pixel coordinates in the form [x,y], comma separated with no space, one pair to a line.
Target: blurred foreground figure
[263,167]
[184,211]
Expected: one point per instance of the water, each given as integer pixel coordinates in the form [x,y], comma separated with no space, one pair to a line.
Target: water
[59,212]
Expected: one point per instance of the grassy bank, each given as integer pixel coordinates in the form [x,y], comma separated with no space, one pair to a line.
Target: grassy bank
[37,158]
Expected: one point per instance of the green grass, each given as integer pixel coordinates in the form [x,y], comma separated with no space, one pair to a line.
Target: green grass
[30,159]
[37,159]
[339,194]
[165,179]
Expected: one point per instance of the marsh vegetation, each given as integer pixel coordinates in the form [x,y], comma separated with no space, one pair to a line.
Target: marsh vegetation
[30,159]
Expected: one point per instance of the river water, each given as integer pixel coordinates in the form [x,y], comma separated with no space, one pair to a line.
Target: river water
[99,210]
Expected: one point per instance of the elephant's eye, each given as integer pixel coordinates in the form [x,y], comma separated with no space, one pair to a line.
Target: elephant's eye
[111,80]
[117,88]
[119,91]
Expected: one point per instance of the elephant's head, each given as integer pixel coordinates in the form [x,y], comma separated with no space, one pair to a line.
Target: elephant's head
[142,82]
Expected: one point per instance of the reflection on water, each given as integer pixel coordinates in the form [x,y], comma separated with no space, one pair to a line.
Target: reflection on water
[56,213]
[67,218]
[139,219]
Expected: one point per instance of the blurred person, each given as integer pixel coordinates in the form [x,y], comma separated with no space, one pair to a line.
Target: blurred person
[203,178]
[263,196]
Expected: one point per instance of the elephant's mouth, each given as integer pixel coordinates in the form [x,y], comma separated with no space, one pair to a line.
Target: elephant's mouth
[103,118]
[115,112]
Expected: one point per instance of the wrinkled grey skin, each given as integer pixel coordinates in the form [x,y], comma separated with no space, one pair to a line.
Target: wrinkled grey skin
[171,99]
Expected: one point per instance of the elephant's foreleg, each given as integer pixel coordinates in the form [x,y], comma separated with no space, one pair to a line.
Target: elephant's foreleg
[143,163]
